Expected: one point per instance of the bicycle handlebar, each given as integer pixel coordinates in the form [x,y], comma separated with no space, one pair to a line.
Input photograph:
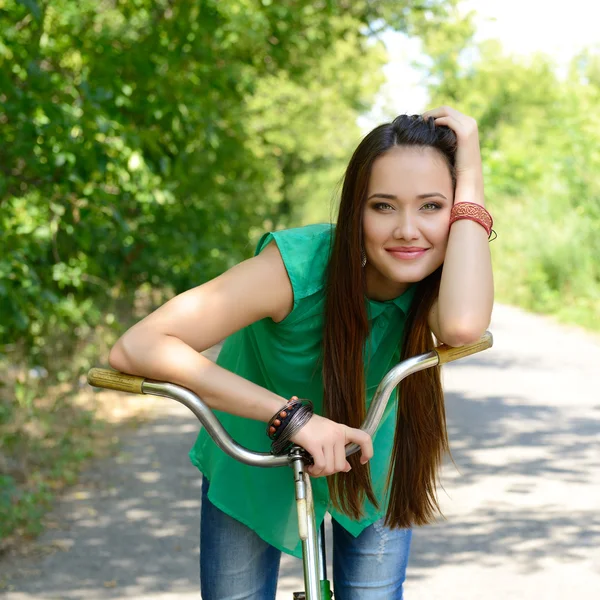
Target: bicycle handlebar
[113,380]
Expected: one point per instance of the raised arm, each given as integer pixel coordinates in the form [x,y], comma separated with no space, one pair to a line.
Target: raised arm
[463,309]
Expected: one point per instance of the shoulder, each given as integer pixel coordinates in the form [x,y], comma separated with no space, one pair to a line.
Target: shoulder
[305,253]
[315,237]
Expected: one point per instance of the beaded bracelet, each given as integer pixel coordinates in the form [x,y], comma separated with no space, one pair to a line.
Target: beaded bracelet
[282,417]
[473,212]
[300,417]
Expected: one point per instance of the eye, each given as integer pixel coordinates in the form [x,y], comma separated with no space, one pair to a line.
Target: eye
[432,206]
[384,206]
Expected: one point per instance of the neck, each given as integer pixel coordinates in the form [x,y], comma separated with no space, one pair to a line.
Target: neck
[379,288]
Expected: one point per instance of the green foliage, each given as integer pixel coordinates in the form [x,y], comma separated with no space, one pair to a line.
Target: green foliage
[146,144]
[540,136]
[149,142]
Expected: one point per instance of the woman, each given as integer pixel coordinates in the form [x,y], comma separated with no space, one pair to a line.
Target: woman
[322,313]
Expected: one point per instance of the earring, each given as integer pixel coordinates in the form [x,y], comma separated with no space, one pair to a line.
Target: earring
[363,258]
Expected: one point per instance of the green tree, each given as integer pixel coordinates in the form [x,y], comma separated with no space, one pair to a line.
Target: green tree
[147,141]
[146,144]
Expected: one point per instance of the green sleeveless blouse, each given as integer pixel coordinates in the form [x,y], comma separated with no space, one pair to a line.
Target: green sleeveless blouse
[283,357]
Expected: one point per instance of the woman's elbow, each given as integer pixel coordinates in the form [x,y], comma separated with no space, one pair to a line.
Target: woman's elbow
[117,357]
[462,334]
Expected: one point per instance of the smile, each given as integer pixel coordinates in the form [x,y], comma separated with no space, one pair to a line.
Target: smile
[406,253]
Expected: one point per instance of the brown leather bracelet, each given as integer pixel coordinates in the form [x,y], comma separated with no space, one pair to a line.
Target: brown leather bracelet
[278,421]
[300,417]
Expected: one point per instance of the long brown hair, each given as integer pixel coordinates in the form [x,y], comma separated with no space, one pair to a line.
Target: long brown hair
[421,438]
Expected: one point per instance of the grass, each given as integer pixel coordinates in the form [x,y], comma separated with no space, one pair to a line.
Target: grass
[45,445]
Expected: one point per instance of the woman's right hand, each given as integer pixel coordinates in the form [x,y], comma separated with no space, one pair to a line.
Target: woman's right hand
[326,441]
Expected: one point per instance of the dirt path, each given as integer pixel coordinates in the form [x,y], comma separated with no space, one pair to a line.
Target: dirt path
[523,516]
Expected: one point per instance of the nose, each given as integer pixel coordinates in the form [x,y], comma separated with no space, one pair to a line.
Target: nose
[406,227]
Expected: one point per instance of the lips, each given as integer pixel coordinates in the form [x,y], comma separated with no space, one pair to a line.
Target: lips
[406,252]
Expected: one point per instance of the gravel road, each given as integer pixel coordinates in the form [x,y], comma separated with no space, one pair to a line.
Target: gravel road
[522,510]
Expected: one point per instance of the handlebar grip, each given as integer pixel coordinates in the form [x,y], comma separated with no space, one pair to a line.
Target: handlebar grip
[113,380]
[447,354]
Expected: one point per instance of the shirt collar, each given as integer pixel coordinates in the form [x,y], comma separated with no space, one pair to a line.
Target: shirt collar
[403,302]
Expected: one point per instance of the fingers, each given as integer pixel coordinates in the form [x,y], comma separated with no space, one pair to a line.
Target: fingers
[331,459]
[326,442]
[442,111]
[448,121]
[455,120]
[364,440]
[317,469]
[340,464]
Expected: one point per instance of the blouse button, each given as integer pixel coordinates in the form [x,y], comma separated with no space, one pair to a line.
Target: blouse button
[381,324]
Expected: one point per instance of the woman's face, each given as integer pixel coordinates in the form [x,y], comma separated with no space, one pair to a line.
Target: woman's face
[406,219]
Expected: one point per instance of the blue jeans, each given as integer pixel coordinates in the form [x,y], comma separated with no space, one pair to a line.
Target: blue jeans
[236,564]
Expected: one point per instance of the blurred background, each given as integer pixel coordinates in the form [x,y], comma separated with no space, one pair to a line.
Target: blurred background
[146,145]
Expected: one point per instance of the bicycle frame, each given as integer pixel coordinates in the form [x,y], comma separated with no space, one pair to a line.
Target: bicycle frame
[313,553]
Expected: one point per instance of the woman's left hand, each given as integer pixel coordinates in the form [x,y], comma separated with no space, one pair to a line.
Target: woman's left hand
[468,154]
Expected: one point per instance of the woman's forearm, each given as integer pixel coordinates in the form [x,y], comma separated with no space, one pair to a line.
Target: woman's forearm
[167,358]
[466,294]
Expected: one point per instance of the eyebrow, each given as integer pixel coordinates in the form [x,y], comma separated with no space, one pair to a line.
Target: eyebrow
[420,196]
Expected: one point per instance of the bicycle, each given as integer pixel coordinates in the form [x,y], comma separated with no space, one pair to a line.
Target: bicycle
[316,584]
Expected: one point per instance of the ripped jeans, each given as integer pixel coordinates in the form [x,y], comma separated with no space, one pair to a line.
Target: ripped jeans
[236,564]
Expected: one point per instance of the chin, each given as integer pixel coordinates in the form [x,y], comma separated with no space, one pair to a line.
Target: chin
[410,275]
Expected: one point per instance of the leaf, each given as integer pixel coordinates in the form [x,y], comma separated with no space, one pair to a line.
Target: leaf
[33,7]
